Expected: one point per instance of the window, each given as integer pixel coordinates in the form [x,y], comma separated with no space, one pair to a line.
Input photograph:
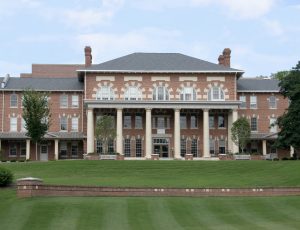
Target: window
[133,93]
[254,147]
[64,101]
[253,102]
[23,125]
[222,146]
[215,94]
[127,147]
[253,124]
[127,121]
[23,149]
[194,147]
[161,122]
[75,101]
[243,100]
[273,126]
[194,122]
[212,146]
[211,121]
[105,93]
[111,148]
[12,149]
[99,147]
[138,147]
[63,123]
[188,94]
[182,147]
[272,102]
[221,121]
[14,100]
[138,121]
[13,124]
[63,149]
[75,124]
[183,121]
[74,149]
[160,93]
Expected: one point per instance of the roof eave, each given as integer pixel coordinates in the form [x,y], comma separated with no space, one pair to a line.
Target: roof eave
[258,91]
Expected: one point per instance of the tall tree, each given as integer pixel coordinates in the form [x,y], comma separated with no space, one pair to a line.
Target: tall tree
[289,122]
[105,131]
[240,132]
[36,114]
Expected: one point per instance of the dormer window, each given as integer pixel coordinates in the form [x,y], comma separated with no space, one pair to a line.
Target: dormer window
[105,93]
[216,94]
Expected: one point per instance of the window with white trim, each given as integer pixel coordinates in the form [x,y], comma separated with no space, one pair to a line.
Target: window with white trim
[74,149]
[64,123]
[212,146]
[253,123]
[13,100]
[127,147]
[64,101]
[243,105]
[211,121]
[221,121]
[12,149]
[194,147]
[63,148]
[160,93]
[111,146]
[182,147]
[254,147]
[138,147]
[133,93]
[215,94]
[13,124]
[75,101]
[99,147]
[74,124]
[188,94]
[253,102]
[183,121]
[194,122]
[127,121]
[273,125]
[161,122]
[272,102]
[23,149]
[222,146]
[105,93]
[138,121]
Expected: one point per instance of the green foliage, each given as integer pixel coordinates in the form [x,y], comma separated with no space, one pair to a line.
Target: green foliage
[105,131]
[36,114]
[289,122]
[240,132]
[280,75]
[6,177]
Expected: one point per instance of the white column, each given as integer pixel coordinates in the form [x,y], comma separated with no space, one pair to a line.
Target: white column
[264,147]
[292,151]
[230,142]
[56,149]
[235,148]
[148,135]
[90,131]
[119,131]
[177,134]
[206,133]
[27,149]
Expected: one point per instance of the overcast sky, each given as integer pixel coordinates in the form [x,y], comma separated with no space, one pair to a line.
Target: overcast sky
[262,34]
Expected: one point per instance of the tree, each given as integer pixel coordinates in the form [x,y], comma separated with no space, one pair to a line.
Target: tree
[36,114]
[105,131]
[240,132]
[280,74]
[289,122]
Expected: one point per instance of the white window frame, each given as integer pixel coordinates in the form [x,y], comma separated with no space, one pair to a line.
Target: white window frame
[138,122]
[14,124]
[105,93]
[22,148]
[183,121]
[221,116]
[243,99]
[14,100]
[75,122]
[215,93]
[11,147]
[75,101]
[252,126]
[222,144]
[64,101]
[188,94]
[127,121]
[194,147]
[138,147]
[74,144]
[273,129]
[272,102]
[64,120]
[211,121]
[127,147]
[253,102]
[183,147]
[195,124]
[160,93]
[133,93]
[63,146]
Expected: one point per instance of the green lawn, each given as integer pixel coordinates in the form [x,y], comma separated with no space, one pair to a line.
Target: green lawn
[148,213]
[162,173]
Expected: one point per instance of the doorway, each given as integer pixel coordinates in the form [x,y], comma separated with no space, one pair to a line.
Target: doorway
[161,147]
[44,152]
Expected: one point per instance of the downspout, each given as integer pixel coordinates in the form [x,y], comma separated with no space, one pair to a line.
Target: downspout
[2,110]
[235,87]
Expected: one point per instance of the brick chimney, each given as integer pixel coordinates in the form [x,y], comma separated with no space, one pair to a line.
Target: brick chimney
[88,56]
[226,55]
[221,60]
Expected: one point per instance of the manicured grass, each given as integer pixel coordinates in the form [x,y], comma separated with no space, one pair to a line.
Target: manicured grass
[163,173]
[148,213]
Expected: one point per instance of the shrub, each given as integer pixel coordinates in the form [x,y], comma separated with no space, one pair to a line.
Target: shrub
[6,177]
[275,159]
[13,160]
[285,159]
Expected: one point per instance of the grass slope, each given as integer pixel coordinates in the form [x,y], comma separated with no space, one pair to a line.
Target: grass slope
[162,173]
[148,213]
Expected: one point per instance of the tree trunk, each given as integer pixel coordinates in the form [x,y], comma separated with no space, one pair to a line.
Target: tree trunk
[36,154]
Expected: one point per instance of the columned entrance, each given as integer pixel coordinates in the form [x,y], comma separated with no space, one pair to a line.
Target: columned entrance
[161,147]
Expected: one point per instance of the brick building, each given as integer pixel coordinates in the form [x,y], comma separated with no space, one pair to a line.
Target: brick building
[164,105]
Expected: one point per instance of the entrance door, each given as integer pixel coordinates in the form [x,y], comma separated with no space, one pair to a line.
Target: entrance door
[44,152]
[162,150]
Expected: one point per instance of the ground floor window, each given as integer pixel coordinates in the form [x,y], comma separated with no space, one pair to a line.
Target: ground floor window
[222,146]
[127,147]
[74,149]
[111,147]
[99,148]
[63,149]
[23,149]
[138,148]
[182,147]
[254,147]
[194,147]
[211,146]
[12,150]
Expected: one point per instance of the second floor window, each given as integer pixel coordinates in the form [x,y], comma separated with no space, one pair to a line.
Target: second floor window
[194,122]
[13,124]
[160,93]
[64,101]
[188,94]
[63,123]
[133,93]
[127,121]
[138,121]
[75,101]
[23,125]
[221,121]
[105,93]
[74,124]
[253,102]
[272,102]
[273,126]
[215,94]
[253,124]
[243,100]
[14,100]
[183,121]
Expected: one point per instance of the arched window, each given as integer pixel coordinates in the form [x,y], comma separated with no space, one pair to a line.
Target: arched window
[133,93]
[105,93]
[215,94]
[160,93]
[188,94]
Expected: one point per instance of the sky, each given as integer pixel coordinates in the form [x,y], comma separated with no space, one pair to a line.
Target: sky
[262,34]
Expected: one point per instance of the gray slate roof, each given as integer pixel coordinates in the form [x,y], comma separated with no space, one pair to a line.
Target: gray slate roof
[257,85]
[44,84]
[49,135]
[159,62]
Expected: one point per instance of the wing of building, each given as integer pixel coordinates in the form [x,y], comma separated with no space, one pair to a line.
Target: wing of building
[163,105]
